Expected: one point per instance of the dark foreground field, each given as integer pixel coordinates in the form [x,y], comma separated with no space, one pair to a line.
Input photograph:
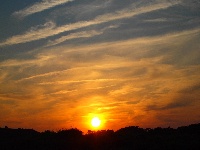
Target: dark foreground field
[129,138]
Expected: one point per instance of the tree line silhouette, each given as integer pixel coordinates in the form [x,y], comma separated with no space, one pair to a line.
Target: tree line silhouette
[128,138]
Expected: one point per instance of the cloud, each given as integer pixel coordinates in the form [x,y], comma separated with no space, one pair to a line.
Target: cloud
[77,81]
[180,102]
[191,89]
[35,33]
[83,34]
[50,29]
[39,7]
[15,62]
[129,73]
[157,20]
[184,100]
[3,75]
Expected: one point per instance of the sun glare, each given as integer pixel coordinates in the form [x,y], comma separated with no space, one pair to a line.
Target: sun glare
[96,122]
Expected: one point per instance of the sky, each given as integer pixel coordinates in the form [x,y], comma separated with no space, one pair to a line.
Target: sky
[130,63]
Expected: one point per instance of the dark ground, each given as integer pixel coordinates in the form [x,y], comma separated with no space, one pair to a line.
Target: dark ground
[129,138]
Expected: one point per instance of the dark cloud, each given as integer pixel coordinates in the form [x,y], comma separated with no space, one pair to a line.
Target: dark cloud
[182,101]
[7,102]
[191,89]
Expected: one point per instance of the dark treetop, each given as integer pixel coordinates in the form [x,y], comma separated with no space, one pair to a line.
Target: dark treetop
[128,138]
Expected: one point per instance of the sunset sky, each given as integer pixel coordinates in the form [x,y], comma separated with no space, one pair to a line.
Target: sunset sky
[128,62]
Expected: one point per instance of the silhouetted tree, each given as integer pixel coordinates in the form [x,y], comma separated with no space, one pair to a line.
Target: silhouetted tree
[128,138]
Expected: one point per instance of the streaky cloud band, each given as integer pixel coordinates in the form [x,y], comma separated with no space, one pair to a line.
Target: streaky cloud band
[51,29]
[39,7]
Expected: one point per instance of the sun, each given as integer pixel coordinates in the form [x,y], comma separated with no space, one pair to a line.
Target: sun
[96,122]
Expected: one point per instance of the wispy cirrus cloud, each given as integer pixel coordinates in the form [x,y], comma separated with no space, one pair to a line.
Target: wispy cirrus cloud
[14,62]
[39,7]
[50,29]
[83,34]
[77,81]
[33,34]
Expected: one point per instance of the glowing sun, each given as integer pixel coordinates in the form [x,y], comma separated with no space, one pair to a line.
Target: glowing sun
[96,122]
